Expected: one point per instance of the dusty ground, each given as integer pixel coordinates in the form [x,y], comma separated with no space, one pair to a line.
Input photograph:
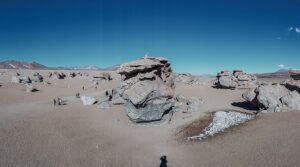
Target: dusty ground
[34,133]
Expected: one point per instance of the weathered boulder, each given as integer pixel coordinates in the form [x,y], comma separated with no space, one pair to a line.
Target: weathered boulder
[57,75]
[147,88]
[295,74]
[235,79]
[37,77]
[72,74]
[31,88]
[20,79]
[291,100]
[272,98]
[88,100]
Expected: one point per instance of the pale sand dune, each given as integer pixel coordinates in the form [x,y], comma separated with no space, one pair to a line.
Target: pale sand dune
[34,133]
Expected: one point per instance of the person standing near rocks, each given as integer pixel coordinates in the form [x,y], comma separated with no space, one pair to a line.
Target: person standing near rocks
[54,102]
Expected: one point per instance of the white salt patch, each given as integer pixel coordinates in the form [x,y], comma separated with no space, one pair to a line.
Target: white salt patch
[221,121]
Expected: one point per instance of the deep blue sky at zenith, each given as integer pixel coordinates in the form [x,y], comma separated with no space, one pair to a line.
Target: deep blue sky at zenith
[197,36]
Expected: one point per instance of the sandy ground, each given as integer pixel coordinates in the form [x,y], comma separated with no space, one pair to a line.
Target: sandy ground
[34,133]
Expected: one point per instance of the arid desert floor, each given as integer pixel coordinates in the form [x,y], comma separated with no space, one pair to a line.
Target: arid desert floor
[35,133]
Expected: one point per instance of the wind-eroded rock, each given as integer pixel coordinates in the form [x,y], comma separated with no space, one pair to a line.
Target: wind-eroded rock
[273,98]
[147,87]
[235,79]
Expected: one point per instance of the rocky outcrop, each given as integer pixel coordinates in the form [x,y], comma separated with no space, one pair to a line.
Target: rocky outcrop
[295,74]
[147,88]
[273,98]
[88,100]
[235,79]
[188,79]
[292,85]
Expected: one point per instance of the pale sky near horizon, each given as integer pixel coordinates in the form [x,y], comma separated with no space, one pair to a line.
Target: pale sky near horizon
[197,36]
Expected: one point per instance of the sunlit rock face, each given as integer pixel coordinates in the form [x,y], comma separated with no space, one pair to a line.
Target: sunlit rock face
[273,98]
[147,88]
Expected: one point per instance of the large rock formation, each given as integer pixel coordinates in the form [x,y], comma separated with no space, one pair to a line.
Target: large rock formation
[235,79]
[273,98]
[103,76]
[147,88]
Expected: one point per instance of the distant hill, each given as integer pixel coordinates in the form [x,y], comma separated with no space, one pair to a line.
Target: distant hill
[282,73]
[12,64]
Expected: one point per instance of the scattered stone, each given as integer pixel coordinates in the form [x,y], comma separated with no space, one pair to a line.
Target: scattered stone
[31,88]
[37,77]
[87,100]
[57,75]
[20,79]
[72,74]
[235,79]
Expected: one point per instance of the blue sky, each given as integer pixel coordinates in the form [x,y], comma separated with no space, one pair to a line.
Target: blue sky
[197,36]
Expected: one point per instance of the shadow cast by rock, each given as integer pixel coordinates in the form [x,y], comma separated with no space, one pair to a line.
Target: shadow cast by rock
[245,105]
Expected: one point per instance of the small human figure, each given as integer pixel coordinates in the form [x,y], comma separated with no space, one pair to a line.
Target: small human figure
[163,161]
[106,93]
[77,95]
[110,98]
[54,102]
[82,87]
[59,101]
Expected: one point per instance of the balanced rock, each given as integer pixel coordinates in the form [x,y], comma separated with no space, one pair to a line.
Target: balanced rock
[235,79]
[147,88]
[273,98]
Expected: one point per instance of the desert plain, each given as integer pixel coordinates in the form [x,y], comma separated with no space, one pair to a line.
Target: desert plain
[35,133]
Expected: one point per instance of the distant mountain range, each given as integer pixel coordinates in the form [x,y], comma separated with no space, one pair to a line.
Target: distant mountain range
[12,64]
[282,73]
